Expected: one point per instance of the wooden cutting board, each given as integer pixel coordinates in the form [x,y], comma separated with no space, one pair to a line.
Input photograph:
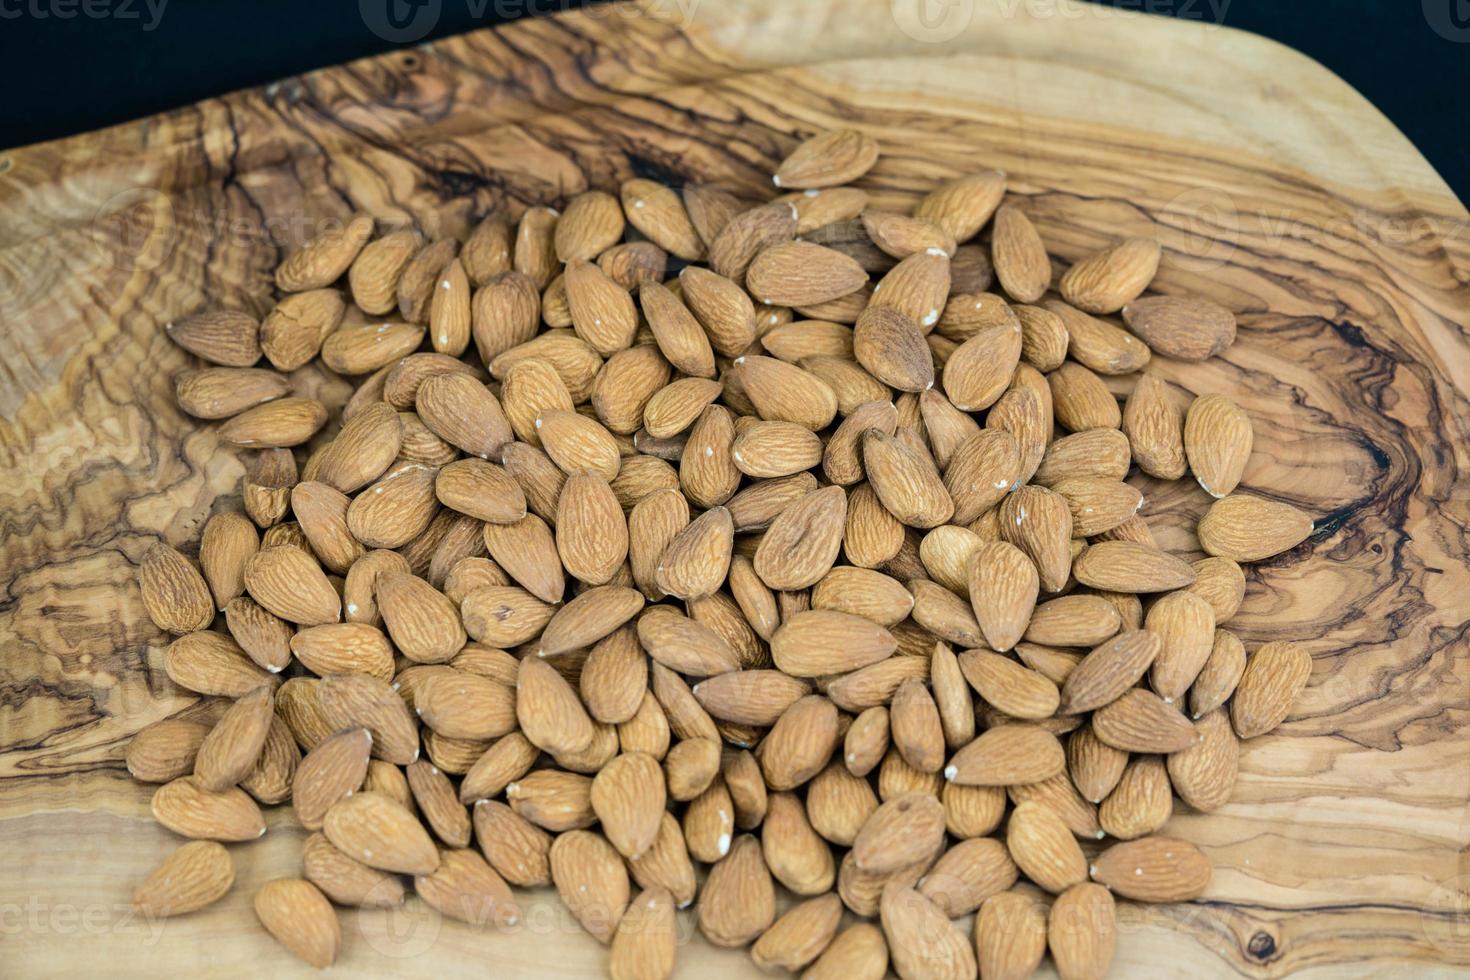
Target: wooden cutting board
[1272,186]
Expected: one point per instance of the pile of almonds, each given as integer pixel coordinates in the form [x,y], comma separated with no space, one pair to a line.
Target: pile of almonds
[813,565]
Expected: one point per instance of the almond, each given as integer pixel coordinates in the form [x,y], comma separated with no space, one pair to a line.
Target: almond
[967,875]
[212,663]
[1187,328]
[1020,259]
[220,392]
[1217,440]
[375,273]
[802,543]
[1098,344]
[827,159]
[591,880]
[978,372]
[174,593]
[194,876]
[1107,281]
[1018,691]
[381,833]
[738,901]
[1010,754]
[785,392]
[1106,673]
[1245,527]
[722,308]
[821,642]
[1039,523]
[229,338]
[1221,673]
[922,942]
[591,532]
[1010,936]
[300,917]
[357,700]
[190,810]
[1082,932]
[1153,869]
[962,206]
[645,945]
[228,753]
[1274,676]
[290,584]
[1126,566]
[1141,721]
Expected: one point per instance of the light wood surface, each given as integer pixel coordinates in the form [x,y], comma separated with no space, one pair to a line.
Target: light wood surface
[1272,186]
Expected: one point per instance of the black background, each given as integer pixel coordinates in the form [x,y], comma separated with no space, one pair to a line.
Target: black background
[60,76]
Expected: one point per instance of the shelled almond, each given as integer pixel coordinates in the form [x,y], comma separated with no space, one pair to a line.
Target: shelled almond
[815,563]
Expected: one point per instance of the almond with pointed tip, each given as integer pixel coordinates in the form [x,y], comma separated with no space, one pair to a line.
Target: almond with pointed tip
[289,583]
[299,916]
[374,829]
[220,392]
[683,644]
[1247,528]
[591,531]
[645,944]
[592,881]
[906,481]
[980,369]
[175,595]
[1153,869]
[1003,586]
[1204,774]
[195,875]
[228,753]
[1186,328]
[1218,440]
[1010,935]
[357,700]
[922,941]
[1018,255]
[1098,344]
[1274,676]
[189,810]
[830,158]
[802,543]
[1007,755]
[330,771]
[550,713]
[1141,721]
[1220,675]
[1017,690]
[738,900]
[230,338]
[1039,522]
[1106,673]
[799,935]
[1107,281]
[785,392]
[967,874]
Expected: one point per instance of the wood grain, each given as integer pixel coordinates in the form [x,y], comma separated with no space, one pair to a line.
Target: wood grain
[1272,186]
